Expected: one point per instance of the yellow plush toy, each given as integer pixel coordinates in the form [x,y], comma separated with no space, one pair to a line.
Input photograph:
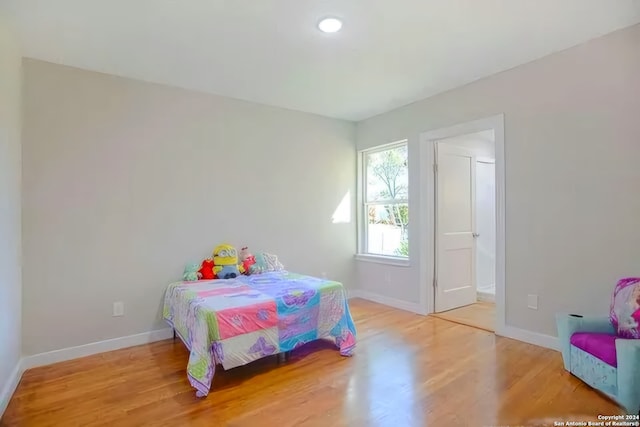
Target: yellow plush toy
[225,259]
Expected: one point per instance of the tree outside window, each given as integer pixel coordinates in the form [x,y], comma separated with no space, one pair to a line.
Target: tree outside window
[386,201]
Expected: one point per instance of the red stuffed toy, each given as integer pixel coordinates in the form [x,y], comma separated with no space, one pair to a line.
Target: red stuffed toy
[207,269]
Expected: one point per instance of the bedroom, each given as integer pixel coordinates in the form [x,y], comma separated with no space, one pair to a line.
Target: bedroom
[138,138]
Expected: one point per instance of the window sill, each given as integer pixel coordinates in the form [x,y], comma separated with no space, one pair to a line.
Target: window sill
[381,259]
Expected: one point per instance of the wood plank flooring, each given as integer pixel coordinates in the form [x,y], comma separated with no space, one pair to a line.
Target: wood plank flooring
[479,315]
[408,370]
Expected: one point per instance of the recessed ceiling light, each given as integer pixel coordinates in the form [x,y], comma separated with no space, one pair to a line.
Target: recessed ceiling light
[330,25]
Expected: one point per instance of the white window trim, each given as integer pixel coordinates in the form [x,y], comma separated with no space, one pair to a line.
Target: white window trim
[383,259]
[362,255]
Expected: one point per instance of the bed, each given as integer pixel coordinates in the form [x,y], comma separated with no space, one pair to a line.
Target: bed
[233,322]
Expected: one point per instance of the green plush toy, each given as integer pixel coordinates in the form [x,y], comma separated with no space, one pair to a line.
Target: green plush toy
[191,273]
[265,262]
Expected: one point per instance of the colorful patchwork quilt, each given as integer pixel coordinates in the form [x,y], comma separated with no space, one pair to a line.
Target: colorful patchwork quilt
[236,321]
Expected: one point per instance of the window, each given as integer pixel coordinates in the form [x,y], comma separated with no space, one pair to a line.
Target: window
[385,199]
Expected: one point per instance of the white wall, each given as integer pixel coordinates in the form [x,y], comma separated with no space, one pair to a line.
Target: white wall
[572,142]
[10,234]
[125,182]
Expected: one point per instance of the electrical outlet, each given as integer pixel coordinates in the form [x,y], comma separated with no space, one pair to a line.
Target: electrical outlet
[324,274]
[118,309]
[532,302]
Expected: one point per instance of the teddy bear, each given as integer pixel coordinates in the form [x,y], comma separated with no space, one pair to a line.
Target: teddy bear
[191,273]
[247,259]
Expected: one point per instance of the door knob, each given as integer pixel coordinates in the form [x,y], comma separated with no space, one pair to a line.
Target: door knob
[476,235]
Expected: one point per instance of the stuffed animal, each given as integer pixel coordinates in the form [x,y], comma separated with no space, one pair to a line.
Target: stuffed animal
[247,259]
[225,258]
[206,269]
[191,273]
[625,308]
[266,262]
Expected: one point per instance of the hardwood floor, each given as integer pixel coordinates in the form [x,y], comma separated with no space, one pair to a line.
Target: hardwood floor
[408,370]
[479,315]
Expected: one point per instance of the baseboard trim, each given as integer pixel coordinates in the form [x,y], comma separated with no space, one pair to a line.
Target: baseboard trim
[385,300]
[530,337]
[486,297]
[512,332]
[10,387]
[71,353]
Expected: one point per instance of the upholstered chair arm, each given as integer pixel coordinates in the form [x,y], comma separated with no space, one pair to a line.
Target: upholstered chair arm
[628,356]
[569,324]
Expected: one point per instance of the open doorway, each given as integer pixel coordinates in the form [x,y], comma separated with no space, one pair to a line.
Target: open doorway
[466,231]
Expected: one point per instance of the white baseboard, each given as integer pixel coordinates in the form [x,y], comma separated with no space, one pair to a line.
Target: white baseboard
[70,353]
[524,335]
[486,296]
[391,302]
[10,387]
[530,337]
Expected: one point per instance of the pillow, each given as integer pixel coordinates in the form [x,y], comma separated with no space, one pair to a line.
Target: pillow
[266,262]
[625,308]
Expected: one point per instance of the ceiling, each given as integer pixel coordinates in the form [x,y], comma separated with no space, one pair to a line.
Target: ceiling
[389,53]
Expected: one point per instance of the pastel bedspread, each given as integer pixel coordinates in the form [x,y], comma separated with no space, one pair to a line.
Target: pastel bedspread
[236,321]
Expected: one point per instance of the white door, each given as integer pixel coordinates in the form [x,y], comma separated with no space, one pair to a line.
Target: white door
[455,227]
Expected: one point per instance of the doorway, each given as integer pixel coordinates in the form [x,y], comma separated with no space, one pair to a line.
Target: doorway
[467,223]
